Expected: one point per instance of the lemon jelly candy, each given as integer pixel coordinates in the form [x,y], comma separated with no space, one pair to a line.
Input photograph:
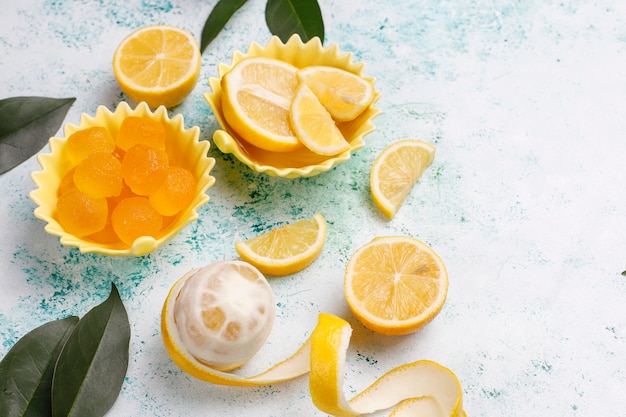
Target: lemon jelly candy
[134,217]
[84,142]
[140,131]
[144,169]
[80,214]
[175,193]
[99,175]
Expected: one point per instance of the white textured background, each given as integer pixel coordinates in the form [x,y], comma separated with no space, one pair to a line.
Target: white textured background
[525,202]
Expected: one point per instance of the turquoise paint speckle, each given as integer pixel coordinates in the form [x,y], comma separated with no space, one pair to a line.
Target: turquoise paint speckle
[524,201]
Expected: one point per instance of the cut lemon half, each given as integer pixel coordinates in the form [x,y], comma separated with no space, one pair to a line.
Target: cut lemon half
[313,124]
[396,170]
[157,64]
[345,95]
[395,284]
[287,249]
[256,95]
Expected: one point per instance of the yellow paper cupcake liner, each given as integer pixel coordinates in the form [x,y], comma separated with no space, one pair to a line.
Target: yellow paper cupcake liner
[184,149]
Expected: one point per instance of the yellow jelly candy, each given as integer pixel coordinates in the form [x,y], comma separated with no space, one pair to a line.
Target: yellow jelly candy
[144,169]
[136,130]
[81,215]
[99,175]
[134,217]
[175,193]
[84,142]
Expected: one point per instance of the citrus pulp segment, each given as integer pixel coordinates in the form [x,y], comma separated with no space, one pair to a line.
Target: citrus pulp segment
[345,95]
[396,170]
[314,126]
[257,93]
[395,284]
[157,64]
[285,250]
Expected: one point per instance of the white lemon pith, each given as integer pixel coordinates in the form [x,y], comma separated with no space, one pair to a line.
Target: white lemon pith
[223,313]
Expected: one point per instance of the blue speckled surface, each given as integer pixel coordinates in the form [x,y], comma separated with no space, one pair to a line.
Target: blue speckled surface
[525,201]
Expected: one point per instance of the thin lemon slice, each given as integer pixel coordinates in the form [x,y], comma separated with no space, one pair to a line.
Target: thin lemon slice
[157,64]
[313,124]
[395,284]
[418,388]
[345,95]
[395,172]
[287,249]
[257,93]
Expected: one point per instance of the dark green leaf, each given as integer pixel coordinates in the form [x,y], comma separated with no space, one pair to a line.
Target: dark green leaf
[221,13]
[26,124]
[287,17]
[26,370]
[91,367]
[624,273]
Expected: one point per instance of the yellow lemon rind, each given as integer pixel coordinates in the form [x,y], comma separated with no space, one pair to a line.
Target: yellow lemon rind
[422,384]
[277,267]
[236,117]
[387,207]
[291,368]
[314,126]
[324,91]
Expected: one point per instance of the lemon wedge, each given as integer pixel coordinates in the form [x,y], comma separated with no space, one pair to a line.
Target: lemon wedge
[285,250]
[313,124]
[396,170]
[345,95]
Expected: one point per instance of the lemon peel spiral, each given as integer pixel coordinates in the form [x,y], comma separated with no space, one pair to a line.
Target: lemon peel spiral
[420,388]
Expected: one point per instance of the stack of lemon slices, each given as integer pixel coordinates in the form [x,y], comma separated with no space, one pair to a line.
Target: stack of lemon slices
[278,107]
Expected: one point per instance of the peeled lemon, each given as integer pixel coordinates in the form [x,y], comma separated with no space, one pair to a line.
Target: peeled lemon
[219,315]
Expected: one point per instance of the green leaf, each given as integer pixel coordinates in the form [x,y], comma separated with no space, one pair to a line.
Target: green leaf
[26,124]
[287,17]
[91,367]
[221,13]
[26,370]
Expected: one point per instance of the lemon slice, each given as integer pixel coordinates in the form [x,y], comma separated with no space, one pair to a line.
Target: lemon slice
[257,93]
[285,250]
[345,95]
[157,64]
[395,284]
[395,172]
[313,124]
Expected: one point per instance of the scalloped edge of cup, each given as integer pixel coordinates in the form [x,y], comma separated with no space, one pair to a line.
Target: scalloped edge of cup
[300,54]
[48,178]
